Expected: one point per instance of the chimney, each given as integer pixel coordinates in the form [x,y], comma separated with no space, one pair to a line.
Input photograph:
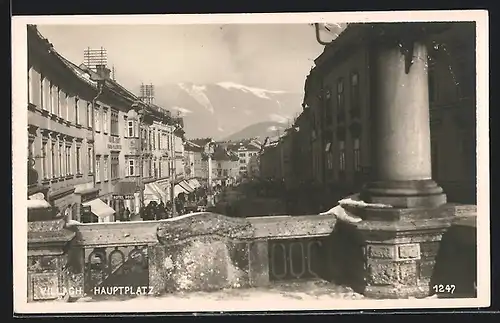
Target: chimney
[103,71]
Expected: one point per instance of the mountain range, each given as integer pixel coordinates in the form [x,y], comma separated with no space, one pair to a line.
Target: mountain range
[229,111]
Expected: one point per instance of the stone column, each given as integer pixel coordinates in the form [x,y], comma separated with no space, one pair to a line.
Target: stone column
[400,242]
[402,175]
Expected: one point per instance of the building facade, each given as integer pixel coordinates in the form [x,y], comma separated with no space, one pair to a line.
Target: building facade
[94,144]
[245,150]
[60,143]
[338,107]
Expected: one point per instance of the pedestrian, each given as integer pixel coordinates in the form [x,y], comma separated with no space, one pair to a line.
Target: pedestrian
[126,215]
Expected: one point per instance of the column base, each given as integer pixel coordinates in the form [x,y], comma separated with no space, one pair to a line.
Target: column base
[399,252]
[421,290]
[405,194]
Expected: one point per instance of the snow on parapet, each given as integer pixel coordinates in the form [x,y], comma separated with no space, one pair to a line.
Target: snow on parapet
[37,204]
[261,93]
[197,92]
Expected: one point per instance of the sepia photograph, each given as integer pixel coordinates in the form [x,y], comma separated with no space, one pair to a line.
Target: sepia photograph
[257,162]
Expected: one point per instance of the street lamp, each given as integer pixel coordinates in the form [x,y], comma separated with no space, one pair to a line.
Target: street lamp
[209,153]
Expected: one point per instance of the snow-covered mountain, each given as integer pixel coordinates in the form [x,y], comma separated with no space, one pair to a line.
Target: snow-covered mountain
[222,109]
[259,130]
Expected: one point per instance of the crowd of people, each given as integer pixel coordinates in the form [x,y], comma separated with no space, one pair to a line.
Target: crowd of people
[160,210]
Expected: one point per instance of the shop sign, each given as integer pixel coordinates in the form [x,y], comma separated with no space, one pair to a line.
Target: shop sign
[123,197]
[114,143]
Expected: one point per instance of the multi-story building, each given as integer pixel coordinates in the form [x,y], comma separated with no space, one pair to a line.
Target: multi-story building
[193,160]
[204,144]
[60,141]
[271,161]
[245,150]
[338,107]
[253,168]
[225,165]
[89,136]
[302,151]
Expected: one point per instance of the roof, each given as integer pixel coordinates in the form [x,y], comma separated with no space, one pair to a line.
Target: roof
[191,146]
[201,141]
[88,76]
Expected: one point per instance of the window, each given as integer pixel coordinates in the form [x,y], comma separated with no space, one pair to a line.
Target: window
[159,140]
[357,155]
[130,127]
[53,159]
[97,118]
[98,168]
[42,92]
[329,156]
[155,169]
[45,174]
[90,160]
[115,166]
[78,160]
[341,156]
[55,100]
[61,171]
[355,94]
[328,107]
[340,98]
[105,170]
[242,154]
[114,123]
[150,139]
[46,95]
[105,125]
[63,109]
[77,112]
[89,114]
[69,170]
[242,161]
[153,139]
[67,104]
[131,167]
[33,95]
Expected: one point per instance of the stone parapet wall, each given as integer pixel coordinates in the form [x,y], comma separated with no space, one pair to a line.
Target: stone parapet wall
[207,251]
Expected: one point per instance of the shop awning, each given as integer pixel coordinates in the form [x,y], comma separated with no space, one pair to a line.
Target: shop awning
[163,193]
[193,182]
[179,189]
[151,192]
[99,208]
[186,186]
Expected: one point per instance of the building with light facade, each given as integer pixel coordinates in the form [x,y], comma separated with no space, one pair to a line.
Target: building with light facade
[89,136]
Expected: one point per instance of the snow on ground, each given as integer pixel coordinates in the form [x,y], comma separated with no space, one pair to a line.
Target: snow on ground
[282,296]
[291,296]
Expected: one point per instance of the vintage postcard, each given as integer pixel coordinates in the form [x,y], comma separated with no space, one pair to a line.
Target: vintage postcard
[256,162]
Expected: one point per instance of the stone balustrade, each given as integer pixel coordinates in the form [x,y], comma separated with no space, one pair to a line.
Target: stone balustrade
[208,251]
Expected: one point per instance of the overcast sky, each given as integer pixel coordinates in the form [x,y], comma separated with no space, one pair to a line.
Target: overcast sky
[270,56]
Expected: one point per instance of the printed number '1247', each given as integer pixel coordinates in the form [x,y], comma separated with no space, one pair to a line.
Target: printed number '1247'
[444,288]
